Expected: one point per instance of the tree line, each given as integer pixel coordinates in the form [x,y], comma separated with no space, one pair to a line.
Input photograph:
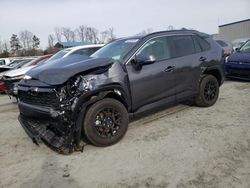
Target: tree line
[24,44]
[28,44]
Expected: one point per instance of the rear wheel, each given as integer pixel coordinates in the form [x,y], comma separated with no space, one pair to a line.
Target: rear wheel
[106,122]
[209,91]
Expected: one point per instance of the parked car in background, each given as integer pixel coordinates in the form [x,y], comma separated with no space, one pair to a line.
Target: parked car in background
[238,63]
[60,101]
[11,78]
[15,64]
[86,50]
[9,68]
[227,47]
[5,61]
[239,42]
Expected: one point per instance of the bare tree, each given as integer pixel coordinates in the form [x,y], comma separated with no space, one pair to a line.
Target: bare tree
[73,36]
[51,40]
[111,34]
[66,32]
[104,35]
[26,37]
[107,35]
[81,31]
[58,34]
[91,35]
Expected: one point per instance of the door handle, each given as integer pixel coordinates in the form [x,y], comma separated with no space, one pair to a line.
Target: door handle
[202,58]
[170,69]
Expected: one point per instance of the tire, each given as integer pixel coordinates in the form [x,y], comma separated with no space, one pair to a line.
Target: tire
[106,122]
[208,91]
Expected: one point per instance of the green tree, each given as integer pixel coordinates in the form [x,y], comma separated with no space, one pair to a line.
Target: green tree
[15,44]
[35,42]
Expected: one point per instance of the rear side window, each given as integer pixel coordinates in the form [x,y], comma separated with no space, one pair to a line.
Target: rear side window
[203,43]
[181,45]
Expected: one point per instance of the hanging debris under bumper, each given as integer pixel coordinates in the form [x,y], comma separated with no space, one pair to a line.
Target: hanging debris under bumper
[43,132]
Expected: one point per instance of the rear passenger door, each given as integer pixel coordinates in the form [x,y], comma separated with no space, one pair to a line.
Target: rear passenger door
[186,58]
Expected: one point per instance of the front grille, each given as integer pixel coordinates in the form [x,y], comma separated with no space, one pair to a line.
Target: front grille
[45,98]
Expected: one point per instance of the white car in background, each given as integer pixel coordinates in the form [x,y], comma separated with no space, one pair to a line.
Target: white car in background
[86,50]
[5,61]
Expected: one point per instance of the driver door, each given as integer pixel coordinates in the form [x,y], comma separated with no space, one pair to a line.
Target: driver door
[154,81]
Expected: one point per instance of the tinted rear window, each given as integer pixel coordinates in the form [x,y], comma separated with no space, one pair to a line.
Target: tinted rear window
[203,43]
[181,45]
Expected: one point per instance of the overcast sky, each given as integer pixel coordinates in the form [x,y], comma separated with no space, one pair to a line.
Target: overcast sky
[128,17]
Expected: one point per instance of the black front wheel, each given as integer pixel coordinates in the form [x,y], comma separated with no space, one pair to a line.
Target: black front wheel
[106,122]
[208,91]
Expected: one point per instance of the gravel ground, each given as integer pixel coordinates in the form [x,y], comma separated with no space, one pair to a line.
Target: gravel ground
[182,147]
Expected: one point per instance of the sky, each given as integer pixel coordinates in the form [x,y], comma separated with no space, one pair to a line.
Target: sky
[127,17]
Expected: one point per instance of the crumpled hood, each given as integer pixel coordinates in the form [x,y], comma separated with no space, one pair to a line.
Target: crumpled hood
[59,71]
[239,57]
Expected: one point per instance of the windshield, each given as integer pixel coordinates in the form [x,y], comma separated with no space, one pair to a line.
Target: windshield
[42,61]
[116,50]
[59,54]
[21,64]
[31,62]
[245,47]
[15,62]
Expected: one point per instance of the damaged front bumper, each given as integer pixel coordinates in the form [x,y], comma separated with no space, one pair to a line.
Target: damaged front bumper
[51,131]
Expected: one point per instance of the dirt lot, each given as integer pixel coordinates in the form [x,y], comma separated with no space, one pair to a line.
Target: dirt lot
[180,147]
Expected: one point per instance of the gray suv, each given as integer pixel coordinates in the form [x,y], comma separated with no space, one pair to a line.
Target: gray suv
[94,97]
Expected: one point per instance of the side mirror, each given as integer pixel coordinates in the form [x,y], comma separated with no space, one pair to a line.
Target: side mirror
[140,60]
[237,49]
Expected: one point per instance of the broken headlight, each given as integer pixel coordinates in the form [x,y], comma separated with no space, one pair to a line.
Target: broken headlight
[86,83]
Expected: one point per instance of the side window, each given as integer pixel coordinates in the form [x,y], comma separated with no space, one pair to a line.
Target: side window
[203,43]
[2,62]
[181,45]
[197,46]
[93,50]
[85,52]
[156,47]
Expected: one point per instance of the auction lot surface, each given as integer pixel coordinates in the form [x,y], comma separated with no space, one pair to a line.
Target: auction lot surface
[183,146]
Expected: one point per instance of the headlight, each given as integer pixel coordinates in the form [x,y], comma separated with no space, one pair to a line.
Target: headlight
[17,77]
[27,77]
[86,82]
